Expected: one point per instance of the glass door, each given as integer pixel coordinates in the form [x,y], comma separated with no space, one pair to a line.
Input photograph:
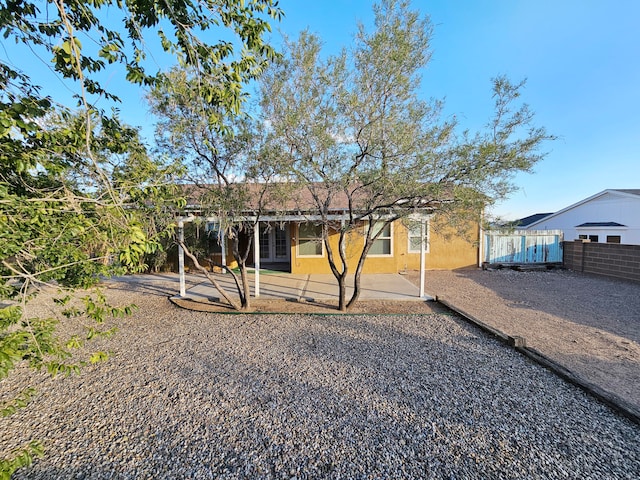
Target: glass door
[265,243]
[281,242]
[274,243]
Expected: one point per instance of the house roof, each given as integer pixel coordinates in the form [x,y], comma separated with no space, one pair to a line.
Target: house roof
[526,221]
[600,224]
[281,197]
[633,193]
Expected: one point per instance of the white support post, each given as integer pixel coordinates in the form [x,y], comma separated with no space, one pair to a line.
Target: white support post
[183,290]
[223,246]
[422,255]
[481,245]
[256,258]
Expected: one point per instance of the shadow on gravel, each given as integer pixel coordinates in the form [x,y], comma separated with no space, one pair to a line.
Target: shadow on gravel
[324,396]
[607,304]
[163,285]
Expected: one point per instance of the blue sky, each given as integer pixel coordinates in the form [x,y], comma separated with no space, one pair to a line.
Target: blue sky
[581,59]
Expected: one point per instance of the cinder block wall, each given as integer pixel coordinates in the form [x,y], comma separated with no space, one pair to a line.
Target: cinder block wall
[610,259]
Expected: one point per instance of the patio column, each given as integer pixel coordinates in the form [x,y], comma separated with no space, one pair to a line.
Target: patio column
[422,255]
[256,258]
[223,246]
[183,291]
[481,240]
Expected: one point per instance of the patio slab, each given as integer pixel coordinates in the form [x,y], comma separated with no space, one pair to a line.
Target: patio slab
[315,287]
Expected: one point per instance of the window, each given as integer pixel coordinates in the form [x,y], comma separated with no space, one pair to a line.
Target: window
[281,242]
[415,230]
[382,245]
[310,240]
[593,238]
[613,238]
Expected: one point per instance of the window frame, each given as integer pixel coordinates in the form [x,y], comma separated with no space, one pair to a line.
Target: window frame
[426,237]
[319,239]
[389,238]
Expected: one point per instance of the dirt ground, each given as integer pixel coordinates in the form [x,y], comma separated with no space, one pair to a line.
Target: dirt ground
[318,307]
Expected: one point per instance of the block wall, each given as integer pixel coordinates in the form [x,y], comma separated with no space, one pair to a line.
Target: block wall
[609,259]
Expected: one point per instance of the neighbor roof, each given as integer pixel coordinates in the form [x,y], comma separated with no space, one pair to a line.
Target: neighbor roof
[631,191]
[526,221]
[600,224]
[635,192]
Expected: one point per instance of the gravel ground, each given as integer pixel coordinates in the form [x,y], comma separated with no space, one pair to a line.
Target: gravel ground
[588,324]
[201,395]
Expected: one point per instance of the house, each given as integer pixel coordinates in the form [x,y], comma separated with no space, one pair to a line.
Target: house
[611,216]
[296,244]
[290,239]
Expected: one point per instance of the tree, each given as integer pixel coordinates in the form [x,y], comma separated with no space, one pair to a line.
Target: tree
[358,133]
[75,181]
[228,173]
[57,229]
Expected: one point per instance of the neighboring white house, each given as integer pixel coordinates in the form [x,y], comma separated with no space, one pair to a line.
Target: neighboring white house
[611,216]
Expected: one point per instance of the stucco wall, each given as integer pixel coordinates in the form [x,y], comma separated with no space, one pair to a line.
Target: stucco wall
[447,250]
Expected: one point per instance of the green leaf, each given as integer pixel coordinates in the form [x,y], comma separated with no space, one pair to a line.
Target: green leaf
[20,458]
[19,401]
[98,357]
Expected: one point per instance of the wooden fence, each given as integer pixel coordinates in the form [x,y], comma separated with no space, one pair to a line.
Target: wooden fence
[523,247]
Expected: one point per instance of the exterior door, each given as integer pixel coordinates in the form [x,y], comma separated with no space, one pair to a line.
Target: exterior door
[274,243]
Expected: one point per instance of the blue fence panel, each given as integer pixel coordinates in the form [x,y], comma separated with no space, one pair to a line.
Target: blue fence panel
[524,247]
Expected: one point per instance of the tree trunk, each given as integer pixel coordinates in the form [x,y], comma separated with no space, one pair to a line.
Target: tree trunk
[244,289]
[340,276]
[246,297]
[202,269]
[356,289]
[342,293]
[358,273]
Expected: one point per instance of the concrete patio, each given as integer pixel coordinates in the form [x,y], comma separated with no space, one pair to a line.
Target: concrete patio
[316,287]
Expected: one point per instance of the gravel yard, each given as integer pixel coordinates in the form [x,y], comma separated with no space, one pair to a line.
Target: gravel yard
[589,324]
[201,395]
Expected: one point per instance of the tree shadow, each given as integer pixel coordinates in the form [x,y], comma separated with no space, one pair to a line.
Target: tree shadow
[325,397]
[607,304]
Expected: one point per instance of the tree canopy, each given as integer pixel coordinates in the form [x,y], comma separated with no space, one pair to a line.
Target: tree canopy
[355,126]
[76,183]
